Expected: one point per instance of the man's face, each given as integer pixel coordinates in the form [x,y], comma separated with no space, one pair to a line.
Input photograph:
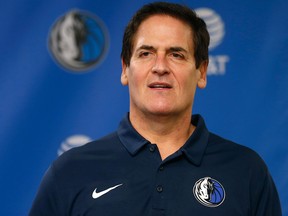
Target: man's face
[162,76]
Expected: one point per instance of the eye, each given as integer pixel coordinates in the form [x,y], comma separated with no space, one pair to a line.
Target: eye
[177,55]
[144,54]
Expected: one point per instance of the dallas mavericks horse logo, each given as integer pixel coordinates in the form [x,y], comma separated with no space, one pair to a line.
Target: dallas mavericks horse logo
[78,40]
[209,192]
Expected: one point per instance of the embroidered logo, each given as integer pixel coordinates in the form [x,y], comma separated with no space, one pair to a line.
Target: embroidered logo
[209,192]
[96,194]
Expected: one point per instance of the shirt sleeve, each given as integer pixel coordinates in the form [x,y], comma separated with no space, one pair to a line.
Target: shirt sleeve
[46,202]
[268,202]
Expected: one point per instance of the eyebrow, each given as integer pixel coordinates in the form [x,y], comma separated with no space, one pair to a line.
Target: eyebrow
[177,49]
[146,47]
[171,49]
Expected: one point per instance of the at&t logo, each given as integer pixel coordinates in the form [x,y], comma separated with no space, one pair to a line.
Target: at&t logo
[72,142]
[216,29]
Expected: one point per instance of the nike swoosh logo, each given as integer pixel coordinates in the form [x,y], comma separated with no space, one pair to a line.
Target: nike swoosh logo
[96,194]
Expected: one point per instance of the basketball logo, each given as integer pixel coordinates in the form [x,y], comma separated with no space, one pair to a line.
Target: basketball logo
[209,192]
[78,41]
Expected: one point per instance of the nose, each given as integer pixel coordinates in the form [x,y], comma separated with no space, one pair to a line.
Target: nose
[160,65]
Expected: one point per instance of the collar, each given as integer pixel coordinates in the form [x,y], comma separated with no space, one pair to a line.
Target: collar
[194,148]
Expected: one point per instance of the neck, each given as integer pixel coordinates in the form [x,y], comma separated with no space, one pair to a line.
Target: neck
[168,132]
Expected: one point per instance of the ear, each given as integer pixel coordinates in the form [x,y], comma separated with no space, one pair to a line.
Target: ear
[124,78]
[202,82]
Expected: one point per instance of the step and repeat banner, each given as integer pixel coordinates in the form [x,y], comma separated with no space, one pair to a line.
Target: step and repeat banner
[60,83]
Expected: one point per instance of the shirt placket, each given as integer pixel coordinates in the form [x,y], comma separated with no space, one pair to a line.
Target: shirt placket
[158,194]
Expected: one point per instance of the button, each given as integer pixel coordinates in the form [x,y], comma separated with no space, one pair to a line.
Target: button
[152,148]
[161,168]
[159,188]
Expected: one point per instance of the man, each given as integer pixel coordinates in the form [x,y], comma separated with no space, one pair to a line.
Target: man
[159,161]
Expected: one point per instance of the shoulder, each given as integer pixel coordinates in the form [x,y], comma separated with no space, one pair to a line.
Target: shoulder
[239,155]
[107,142]
[242,167]
[108,145]
[71,172]
[238,163]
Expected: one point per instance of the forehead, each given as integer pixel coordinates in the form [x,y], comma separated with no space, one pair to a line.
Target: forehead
[164,29]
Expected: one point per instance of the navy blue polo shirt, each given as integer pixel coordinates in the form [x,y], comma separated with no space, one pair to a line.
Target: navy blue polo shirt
[123,174]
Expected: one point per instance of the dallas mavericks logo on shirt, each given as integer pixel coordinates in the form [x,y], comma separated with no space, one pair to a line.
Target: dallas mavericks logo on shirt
[209,192]
[78,40]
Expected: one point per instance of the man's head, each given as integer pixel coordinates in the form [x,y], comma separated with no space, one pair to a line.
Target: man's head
[198,27]
[164,60]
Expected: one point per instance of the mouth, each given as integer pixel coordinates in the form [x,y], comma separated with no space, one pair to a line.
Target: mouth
[160,85]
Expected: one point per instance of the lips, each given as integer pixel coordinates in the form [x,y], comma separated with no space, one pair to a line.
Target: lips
[160,85]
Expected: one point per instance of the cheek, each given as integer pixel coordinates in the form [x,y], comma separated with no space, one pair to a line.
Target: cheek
[136,74]
[188,89]
[135,80]
[187,81]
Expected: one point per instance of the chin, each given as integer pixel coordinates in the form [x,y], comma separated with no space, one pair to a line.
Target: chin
[161,111]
